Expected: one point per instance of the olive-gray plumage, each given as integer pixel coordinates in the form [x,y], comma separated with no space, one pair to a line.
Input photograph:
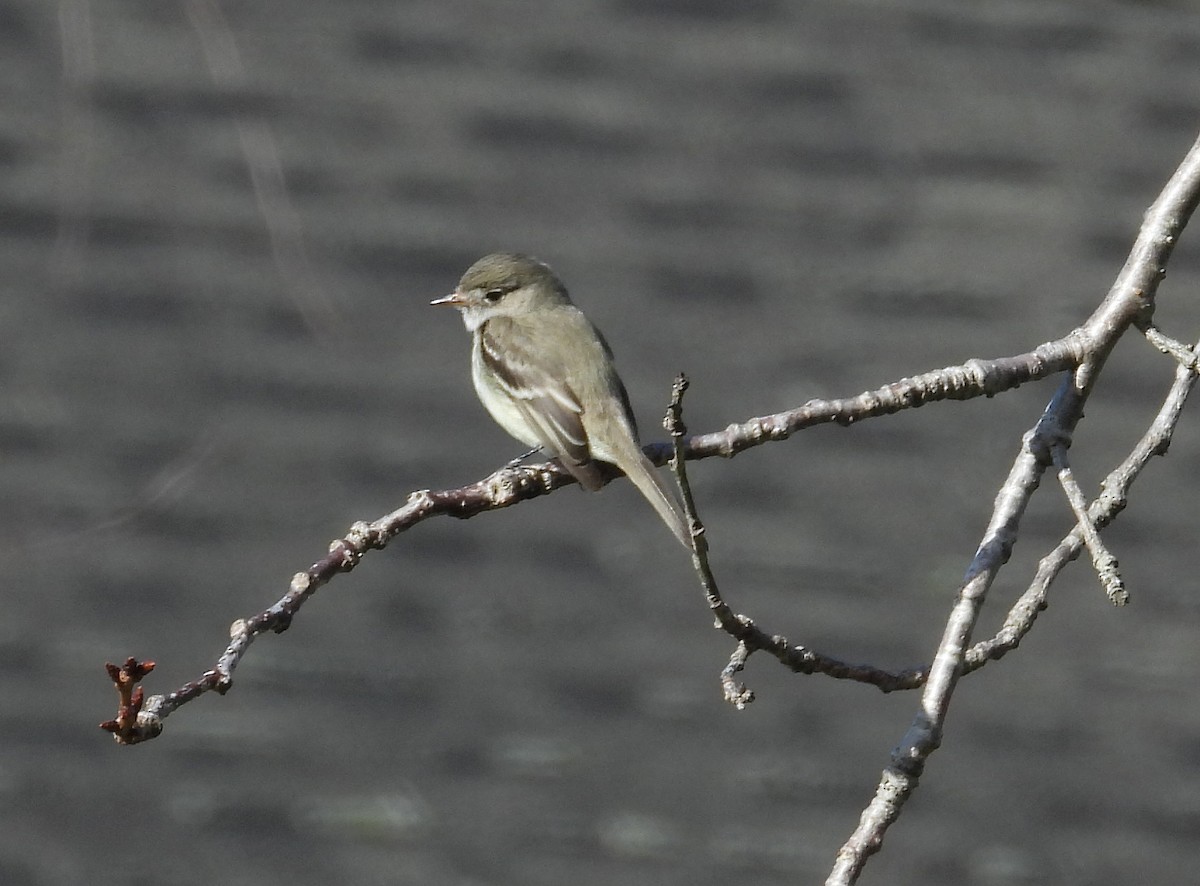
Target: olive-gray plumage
[546,375]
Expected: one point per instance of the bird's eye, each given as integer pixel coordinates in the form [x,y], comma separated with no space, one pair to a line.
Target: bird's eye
[494,295]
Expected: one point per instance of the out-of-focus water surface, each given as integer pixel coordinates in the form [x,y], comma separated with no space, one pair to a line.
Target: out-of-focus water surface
[220,228]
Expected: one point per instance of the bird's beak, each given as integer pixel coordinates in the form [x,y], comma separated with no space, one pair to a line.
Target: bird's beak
[454,299]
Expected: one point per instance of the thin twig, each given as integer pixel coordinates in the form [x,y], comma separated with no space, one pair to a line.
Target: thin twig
[1182,353]
[260,152]
[750,638]
[735,693]
[77,162]
[1102,558]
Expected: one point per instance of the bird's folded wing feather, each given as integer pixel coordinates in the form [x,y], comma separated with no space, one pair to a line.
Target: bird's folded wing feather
[540,389]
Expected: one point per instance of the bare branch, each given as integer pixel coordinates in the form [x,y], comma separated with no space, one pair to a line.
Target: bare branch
[1102,511]
[975,378]
[1082,353]
[1130,301]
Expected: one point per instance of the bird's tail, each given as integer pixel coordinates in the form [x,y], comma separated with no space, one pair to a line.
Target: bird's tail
[647,479]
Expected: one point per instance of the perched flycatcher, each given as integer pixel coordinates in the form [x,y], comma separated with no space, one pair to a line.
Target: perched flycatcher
[546,375]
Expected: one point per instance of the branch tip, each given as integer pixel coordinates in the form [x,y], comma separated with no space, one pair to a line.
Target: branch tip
[127,679]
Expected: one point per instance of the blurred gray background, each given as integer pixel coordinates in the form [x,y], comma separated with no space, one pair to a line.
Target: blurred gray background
[220,228]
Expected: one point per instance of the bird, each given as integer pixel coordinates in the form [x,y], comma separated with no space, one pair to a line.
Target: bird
[546,375]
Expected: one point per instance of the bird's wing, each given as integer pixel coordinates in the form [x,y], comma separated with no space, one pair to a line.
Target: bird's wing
[541,391]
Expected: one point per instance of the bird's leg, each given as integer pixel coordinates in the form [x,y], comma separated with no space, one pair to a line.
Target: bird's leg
[516,462]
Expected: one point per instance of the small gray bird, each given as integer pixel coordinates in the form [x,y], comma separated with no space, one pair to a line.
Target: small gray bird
[546,375]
